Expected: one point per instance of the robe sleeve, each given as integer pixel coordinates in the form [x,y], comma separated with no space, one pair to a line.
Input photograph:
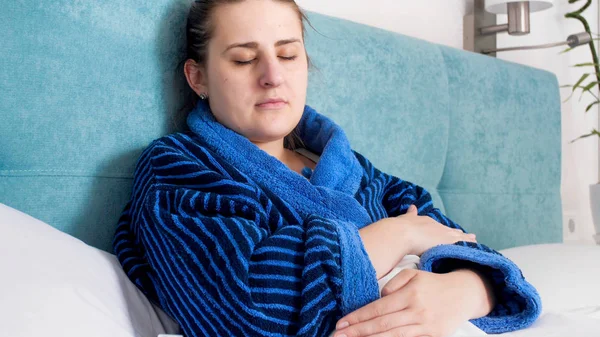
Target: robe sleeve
[223,261]
[518,304]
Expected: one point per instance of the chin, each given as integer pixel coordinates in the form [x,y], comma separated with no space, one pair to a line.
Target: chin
[267,136]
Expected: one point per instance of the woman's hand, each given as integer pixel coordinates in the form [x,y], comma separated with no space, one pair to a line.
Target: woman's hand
[417,303]
[388,240]
[423,233]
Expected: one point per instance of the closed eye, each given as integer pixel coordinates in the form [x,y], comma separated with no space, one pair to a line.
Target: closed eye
[244,62]
[287,58]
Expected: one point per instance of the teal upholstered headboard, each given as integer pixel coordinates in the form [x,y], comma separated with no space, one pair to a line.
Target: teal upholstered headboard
[86,86]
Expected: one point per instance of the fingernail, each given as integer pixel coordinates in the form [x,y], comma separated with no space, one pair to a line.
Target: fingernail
[341,326]
[342,335]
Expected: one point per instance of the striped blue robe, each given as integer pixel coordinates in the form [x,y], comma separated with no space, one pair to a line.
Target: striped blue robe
[230,242]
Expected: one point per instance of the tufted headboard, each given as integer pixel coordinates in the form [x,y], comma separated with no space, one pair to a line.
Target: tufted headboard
[85,86]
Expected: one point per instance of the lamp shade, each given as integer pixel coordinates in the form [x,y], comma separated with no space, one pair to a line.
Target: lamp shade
[500,6]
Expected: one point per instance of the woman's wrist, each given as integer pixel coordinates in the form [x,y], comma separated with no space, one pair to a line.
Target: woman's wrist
[478,294]
[386,245]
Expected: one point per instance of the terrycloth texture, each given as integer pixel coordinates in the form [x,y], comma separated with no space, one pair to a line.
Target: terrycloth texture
[231,242]
[519,304]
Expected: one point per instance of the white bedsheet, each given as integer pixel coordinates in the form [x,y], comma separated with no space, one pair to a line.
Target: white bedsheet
[581,322]
[55,285]
[584,322]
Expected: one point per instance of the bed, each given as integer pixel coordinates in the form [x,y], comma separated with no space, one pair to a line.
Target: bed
[86,86]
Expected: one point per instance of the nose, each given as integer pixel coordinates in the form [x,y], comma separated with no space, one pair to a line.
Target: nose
[272,75]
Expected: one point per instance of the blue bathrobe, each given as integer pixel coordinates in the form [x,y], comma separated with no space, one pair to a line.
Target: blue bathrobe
[230,242]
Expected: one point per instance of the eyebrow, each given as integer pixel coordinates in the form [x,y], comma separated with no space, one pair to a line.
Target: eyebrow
[254,45]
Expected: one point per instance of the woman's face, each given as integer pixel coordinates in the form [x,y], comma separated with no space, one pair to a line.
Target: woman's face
[257,70]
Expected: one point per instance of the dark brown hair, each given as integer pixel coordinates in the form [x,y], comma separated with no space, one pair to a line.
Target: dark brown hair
[200,30]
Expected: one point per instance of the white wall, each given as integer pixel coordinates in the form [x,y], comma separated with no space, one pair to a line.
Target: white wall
[437,21]
[580,159]
[440,21]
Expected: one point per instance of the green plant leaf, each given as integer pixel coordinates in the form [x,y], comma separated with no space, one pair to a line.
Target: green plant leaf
[593,133]
[572,92]
[566,50]
[587,88]
[591,105]
[587,64]
[574,87]
[581,79]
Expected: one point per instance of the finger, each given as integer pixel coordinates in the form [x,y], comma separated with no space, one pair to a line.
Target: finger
[412,209]
[471,238]
[415,330]
[398,281]
[383,306]
[457,236]
[457,232]
[380,324]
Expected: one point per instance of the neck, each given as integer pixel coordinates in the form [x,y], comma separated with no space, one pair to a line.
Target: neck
[274,148]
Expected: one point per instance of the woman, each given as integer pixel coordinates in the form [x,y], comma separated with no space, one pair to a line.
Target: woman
[261,220]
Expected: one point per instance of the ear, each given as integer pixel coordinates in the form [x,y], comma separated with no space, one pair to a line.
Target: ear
[195,76]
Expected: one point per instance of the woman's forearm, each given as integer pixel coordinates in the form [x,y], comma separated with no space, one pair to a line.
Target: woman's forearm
[478,292]
[385,245]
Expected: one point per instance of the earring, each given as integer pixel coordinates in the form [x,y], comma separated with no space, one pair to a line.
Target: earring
[203,96]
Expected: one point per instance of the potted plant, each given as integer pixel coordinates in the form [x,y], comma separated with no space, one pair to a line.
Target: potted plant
[589,83]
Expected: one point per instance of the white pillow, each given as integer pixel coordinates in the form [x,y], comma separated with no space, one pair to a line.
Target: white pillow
[53,284]
[567,276]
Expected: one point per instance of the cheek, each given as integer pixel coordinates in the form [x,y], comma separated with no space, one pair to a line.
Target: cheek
[222,76]
[301,73]
[230,81]
[230,87]
[299,82]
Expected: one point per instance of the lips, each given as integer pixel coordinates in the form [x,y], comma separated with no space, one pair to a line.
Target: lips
[272,103]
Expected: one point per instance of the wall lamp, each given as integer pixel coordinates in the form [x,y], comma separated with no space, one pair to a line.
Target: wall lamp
[480,28]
